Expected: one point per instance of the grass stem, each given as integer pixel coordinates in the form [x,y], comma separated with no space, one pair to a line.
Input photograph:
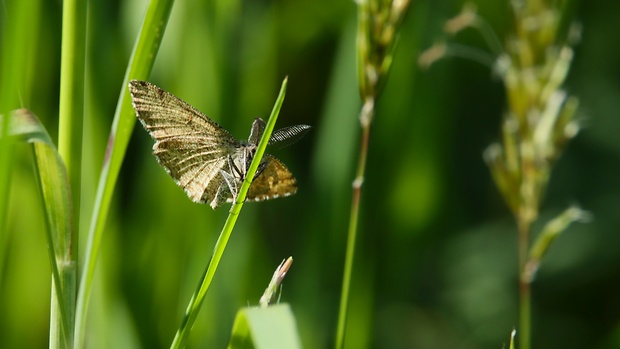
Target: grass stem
[180,339]
[71,111]
[140,66]
[368,109]
[525,302]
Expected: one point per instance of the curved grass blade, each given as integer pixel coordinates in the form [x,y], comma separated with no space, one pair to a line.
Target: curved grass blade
[140,66]
[180,339]
[55,191]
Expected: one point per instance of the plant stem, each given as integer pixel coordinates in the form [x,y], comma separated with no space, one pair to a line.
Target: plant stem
[180,339]
[377,28]
[71,108]
[366,116]
[71,111]
[140,65]
[525,304]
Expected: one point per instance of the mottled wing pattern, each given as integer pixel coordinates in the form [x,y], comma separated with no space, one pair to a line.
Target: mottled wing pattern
[275,181]
[189,145]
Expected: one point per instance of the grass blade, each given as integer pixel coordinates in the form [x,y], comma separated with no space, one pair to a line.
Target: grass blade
[180,339]
[55,193]
[71,108]
[140,66]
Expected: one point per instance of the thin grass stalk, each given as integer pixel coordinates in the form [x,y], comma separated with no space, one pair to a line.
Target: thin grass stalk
[539,122]
[525,299]
[71,114]
[180,339]
[140,66]
[71,108]
[352,234]
[536,129]
[378,23]
[363,47]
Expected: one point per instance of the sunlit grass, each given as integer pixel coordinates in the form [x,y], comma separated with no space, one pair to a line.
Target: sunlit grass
[435,251]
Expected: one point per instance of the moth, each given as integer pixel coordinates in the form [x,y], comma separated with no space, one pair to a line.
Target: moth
[202,157]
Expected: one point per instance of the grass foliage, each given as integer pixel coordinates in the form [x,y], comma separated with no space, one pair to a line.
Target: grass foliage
[100,249]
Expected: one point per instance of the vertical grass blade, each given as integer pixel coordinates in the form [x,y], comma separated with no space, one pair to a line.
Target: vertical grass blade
[180,339]
[140,66]
[55,193]
[71,108]
[71,115]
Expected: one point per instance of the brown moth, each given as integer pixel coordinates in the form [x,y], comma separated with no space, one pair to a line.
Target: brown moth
[202,157]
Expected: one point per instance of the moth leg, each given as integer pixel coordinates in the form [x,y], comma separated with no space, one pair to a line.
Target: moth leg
[247,161]
[261,168]
[233,168]
[231,182]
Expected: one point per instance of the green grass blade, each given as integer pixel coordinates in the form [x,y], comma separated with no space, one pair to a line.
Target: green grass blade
[71,108]
[272,327]
[140,66]
[180,339]
[55,193]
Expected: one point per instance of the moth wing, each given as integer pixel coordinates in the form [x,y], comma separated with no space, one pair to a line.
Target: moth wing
[190,146]
[275,181]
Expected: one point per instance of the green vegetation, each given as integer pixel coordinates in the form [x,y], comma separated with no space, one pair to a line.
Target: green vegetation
[436,261]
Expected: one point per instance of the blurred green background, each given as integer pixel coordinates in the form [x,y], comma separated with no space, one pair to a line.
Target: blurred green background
[436,259]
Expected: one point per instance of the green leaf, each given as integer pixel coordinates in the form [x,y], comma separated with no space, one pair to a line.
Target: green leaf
[272,327]
[56,199]
[140,66]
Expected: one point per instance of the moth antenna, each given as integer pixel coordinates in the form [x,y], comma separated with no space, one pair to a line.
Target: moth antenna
[288,135]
